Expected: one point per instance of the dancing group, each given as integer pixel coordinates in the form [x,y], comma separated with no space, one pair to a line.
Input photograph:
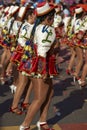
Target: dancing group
[30,38]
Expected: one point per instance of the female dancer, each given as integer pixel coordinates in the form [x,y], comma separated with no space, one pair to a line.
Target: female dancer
[14,33]
[79,34]
[43,66]
[6,43]
[76,38]
[24,35]
[82,80]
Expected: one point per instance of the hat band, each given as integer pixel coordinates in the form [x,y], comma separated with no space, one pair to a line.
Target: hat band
[45,8]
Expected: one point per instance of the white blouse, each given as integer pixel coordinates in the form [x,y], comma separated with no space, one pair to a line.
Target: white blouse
[15,27]
[25,33]
[44,38]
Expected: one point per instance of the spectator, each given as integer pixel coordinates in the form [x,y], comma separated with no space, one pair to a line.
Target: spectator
[84,1]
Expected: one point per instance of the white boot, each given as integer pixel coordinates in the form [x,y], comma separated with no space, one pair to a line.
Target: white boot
[13,88]
[39,124]
[23,128]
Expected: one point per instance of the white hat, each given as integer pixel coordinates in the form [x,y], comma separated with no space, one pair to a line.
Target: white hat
[78,10]
[6,9]
[15,9]
[22,11]
[1,6]
[43,8]
[10,9]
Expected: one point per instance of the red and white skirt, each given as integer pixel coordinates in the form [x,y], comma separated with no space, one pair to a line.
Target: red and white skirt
[17,54]
[39,66]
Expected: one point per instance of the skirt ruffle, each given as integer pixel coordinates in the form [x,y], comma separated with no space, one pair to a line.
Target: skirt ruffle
[84,43]
[17,54]
[39,67]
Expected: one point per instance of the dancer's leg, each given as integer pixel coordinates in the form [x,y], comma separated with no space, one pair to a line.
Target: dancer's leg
[40,94]
[20,89]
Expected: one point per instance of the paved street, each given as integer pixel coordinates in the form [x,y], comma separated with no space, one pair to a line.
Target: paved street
[68,110]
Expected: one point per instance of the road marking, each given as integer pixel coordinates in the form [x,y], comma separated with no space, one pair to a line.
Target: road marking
[33,127]
[56,127]
[14,128]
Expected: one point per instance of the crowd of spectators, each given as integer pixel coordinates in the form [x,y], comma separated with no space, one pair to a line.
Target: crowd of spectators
[67,2]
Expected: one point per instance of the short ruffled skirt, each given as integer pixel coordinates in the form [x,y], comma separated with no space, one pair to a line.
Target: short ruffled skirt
[17,54]
[64,41]
[39,67]
[84,43]
[8,42]
[1,42]
[77,39]
[58,32]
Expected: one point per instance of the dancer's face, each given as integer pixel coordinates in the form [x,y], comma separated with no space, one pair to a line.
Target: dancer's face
[32,18]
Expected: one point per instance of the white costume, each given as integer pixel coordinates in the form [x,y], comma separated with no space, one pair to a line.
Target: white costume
[66,21]
[15,27]
[25,33]
[57,20]
[44,38]
[77,25]
[4,18]
[17,23]
[84,27]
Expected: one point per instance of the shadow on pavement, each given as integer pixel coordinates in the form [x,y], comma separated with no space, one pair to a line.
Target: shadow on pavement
[4,107]
[3,90]
[73,102]
[61,86]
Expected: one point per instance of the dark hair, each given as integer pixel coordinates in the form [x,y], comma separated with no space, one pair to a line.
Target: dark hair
[15,15]
[40,19]
[29,11]
[81,1]
[79,15]
[49,15]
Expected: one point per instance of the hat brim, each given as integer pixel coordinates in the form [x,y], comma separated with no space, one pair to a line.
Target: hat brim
[84,6]
[47,11]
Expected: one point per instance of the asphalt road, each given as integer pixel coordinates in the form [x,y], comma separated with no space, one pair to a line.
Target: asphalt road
[68,109]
